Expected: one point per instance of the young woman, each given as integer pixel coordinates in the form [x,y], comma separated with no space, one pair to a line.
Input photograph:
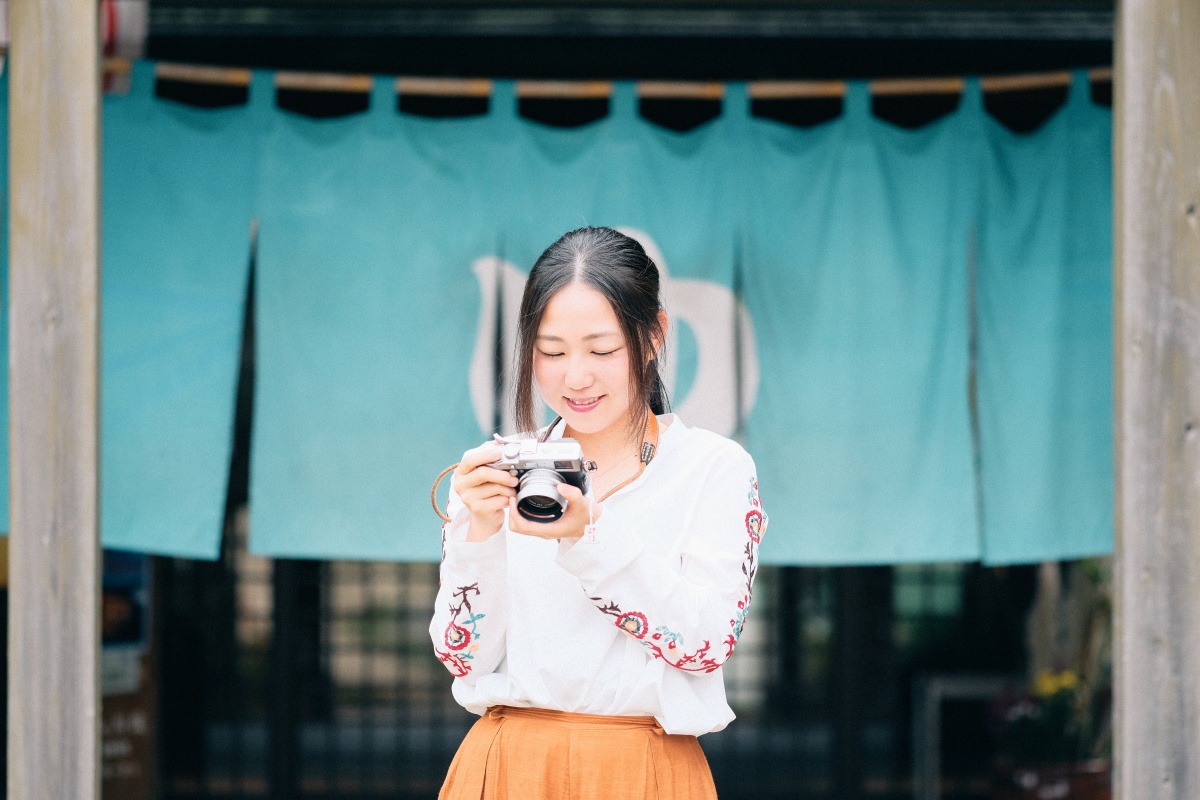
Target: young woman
[592,645]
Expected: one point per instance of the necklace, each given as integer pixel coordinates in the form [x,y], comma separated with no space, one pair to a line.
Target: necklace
[615,464]
[649,446]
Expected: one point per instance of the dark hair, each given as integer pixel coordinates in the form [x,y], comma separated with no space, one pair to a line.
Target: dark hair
[617,266]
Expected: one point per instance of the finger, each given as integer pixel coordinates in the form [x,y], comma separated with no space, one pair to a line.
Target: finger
[569,492]
[500,476]
[486,490]
[516,522]
[520,523]
[490,497]
[493,504]
[484,454]
[581,510]
[480,476]
[567,525]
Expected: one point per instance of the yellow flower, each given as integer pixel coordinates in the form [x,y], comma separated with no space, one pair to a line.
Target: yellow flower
[1048,683]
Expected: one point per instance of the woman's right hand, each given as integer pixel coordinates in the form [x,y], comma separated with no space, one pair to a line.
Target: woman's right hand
[484,490]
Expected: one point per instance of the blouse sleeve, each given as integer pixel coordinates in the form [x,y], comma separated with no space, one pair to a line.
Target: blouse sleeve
[689,608]
[470,613]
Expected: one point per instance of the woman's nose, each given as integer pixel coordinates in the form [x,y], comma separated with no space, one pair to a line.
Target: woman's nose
[578,375]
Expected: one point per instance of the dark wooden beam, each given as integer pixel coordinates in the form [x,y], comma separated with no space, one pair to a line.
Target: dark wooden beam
[1089,21]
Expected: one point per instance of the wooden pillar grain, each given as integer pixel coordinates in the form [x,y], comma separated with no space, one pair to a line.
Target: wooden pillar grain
[53,294]
[1157,344]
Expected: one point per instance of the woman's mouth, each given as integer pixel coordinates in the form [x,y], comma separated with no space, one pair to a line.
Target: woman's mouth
[583,404]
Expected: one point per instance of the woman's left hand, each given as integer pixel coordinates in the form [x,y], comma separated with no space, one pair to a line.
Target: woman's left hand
[569,526]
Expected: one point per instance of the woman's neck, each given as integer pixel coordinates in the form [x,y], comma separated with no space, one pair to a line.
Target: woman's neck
[609,445]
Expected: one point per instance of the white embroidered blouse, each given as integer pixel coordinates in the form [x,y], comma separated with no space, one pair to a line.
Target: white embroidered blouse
[637,622]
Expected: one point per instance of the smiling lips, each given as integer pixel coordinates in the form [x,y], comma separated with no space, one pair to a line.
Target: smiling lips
[583,404]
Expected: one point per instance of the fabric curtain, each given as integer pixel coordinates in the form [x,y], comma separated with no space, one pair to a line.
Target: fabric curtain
[367,309]
[1045,336]
[825,286]
[178,188]
[856,279]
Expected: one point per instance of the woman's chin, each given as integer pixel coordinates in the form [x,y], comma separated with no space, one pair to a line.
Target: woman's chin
[588,422]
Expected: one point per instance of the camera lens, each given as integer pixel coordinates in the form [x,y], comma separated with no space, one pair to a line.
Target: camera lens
[538,499]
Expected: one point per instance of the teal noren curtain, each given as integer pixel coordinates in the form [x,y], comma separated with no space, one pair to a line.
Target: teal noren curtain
[833,292]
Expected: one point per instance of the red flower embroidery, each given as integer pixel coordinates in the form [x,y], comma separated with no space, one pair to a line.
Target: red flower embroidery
[456,664]
[754,525]
[634,623]
[700,660]
[457,637]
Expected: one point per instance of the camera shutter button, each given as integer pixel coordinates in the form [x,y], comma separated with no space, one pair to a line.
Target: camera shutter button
[511,449]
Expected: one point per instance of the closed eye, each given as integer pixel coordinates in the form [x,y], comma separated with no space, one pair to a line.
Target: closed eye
[609,353]
[550,355]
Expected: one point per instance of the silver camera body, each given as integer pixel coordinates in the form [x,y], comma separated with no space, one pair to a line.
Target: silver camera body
[540,467]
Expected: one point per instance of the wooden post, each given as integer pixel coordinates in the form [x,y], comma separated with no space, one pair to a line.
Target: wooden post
[1157,344]
[54,279]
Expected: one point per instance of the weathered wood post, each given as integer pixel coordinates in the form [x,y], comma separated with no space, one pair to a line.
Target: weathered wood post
[54,280]
[1157,283]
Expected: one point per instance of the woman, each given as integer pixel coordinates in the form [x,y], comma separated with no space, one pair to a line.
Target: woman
[592,645]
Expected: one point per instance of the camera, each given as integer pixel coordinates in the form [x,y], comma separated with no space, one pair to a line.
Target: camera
[540,467]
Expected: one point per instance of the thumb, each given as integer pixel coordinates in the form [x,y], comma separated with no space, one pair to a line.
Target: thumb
[569,492]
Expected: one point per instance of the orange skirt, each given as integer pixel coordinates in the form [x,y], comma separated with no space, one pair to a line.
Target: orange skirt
[535,754]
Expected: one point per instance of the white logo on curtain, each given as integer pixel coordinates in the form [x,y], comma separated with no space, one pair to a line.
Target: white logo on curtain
[720,323]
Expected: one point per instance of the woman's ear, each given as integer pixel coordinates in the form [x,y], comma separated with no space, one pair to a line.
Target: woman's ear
[660,337]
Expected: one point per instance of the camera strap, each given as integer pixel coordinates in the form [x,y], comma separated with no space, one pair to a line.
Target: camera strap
[649,447]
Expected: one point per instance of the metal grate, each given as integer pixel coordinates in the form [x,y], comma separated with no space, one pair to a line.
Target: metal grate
[214,663]
[393,726]
[317,680]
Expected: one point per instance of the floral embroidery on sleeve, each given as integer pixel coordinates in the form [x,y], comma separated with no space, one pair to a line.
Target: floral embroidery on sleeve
[756,526]
[633,623]
[667,644]
[460,639]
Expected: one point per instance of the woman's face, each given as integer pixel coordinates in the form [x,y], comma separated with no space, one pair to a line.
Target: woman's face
[581,362]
